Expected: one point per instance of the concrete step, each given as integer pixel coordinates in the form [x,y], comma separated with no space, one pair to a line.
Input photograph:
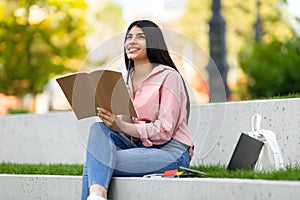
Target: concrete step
[47,187]
[215,128]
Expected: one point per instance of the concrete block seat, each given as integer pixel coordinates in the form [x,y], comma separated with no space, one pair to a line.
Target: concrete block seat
[29,187]
[59,138]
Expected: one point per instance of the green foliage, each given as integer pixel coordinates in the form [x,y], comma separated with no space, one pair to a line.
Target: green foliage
[240,17]
[214,171]
[194,22]
[272,68]
[290,95]
[219,171]
[111,14]
[39,39]
[17,111]
[51,169]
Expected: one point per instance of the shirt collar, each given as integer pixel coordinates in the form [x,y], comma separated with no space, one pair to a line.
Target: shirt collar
[159,68]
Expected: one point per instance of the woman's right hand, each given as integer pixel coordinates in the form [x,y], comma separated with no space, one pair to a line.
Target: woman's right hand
[110,120]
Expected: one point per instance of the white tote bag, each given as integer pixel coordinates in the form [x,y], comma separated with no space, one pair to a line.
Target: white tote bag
[270,157]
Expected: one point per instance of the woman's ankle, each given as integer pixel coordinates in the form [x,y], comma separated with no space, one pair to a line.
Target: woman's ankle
[98,190]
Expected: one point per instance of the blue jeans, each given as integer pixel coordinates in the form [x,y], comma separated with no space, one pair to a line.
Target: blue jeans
[111,154]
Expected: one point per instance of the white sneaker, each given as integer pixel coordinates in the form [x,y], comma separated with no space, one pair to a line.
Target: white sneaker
[94,196]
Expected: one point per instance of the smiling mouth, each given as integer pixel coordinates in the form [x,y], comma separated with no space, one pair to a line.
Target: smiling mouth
[133,49]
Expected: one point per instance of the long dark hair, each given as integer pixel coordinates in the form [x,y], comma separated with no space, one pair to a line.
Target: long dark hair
[157,51]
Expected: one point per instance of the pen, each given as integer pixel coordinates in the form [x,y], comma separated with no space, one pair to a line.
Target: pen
[128,71]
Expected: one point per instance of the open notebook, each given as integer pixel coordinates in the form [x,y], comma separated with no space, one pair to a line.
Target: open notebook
[246,153]
[86,91]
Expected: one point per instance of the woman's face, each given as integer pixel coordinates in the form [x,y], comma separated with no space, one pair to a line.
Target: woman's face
[135,46]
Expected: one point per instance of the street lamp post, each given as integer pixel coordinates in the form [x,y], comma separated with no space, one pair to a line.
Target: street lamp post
[217,68]
[257,25]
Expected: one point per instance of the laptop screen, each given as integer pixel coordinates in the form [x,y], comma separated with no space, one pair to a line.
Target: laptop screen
[246,153]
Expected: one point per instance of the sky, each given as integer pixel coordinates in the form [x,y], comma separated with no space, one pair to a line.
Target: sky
[166,10]
[294,7]
[156,7]
[151,8]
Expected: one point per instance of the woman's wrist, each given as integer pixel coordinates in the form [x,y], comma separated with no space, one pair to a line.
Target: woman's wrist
[129,129]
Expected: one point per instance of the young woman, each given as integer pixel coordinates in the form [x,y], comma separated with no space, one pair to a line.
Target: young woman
[156,141]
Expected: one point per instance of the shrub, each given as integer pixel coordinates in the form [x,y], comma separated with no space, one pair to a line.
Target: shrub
[272,68]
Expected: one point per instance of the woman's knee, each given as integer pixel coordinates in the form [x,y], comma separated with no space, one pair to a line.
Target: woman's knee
[96,125]
[98,128]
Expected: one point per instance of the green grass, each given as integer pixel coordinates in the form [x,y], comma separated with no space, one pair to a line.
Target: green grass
[291,95]
[214,171]
[291,173]
[51,169]
[288,96]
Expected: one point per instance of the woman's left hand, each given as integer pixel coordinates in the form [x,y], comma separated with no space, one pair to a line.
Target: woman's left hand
[109,119]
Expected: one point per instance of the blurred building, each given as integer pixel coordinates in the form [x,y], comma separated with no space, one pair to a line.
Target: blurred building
[7,103]
[53,99]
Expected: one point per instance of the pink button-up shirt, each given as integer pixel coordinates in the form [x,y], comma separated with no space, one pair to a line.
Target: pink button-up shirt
[160,101]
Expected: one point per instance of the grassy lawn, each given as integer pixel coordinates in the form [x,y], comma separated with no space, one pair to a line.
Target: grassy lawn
[50,169]
[291,173]
[216,171]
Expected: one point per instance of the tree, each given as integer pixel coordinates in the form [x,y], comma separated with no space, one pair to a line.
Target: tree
[240,19]
[272,67]
[107,19]
[194,22]
[38,40]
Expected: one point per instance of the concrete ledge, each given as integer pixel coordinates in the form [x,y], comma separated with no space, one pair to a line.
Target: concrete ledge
[60,138]
[27,187]
[44,187]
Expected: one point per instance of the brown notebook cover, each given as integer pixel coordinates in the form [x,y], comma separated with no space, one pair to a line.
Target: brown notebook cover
[101,88]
